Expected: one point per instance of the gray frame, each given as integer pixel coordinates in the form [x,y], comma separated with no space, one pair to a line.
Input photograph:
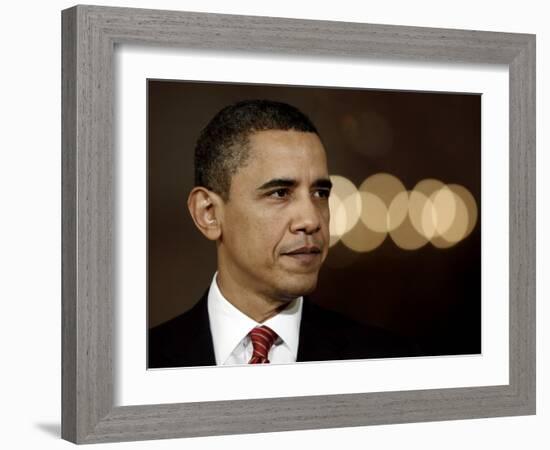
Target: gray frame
[89,37]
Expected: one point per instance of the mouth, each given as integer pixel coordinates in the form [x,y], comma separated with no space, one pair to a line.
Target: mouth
[306,250]
[305,255]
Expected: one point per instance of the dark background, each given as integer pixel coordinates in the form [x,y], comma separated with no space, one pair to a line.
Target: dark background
[430,295]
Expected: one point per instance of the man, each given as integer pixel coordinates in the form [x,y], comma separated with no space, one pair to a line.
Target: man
[261,194]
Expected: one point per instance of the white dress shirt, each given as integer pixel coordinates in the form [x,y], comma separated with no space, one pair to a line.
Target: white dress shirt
[230,328]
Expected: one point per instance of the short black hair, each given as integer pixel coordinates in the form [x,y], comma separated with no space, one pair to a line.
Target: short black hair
[222,146]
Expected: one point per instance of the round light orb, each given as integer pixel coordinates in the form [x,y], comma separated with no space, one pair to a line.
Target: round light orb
[344,204]
[470,203]
[378,193]
[443,209]
[457,229]
[362,239]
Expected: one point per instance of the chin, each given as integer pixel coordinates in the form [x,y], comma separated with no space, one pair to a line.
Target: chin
[300,285]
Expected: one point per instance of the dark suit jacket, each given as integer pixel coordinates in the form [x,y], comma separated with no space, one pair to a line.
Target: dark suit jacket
[186,340]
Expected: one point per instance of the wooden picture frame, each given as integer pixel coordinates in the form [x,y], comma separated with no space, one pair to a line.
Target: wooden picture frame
[90,34]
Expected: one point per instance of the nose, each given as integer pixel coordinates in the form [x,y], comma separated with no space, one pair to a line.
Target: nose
[307,217]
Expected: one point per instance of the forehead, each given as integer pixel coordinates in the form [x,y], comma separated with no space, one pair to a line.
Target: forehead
[287,153]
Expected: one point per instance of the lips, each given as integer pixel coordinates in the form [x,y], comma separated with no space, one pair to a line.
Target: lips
[306,250]
[307,257]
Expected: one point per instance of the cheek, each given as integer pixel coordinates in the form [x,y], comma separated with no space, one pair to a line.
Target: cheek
[255,232]
[325,218]
[252,237]
[264,238]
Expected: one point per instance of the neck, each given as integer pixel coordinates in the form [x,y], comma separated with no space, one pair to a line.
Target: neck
[255,305]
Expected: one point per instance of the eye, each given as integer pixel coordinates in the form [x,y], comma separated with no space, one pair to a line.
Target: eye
[279,193]
[322,193]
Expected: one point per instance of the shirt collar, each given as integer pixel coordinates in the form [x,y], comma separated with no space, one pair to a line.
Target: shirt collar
[229,325]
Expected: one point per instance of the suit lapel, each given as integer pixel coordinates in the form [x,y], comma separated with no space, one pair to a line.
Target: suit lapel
[317,342]
[187,340]
[202,349]
[193,344]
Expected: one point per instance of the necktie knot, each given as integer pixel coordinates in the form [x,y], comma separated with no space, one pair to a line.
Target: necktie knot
[262,339]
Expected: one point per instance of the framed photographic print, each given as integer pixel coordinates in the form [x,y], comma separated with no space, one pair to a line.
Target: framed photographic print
[430,144]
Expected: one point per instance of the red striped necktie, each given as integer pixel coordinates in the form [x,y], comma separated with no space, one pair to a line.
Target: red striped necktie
[262,339]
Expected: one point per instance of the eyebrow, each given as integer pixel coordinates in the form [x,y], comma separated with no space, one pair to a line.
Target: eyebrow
[289,182]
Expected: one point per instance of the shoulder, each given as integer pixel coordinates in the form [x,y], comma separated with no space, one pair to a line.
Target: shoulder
[350,339]
[177,327]
[182,341]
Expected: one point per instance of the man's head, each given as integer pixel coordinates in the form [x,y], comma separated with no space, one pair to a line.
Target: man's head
[261,193]
[223,145]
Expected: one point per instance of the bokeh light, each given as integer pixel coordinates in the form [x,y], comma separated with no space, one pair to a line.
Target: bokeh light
[431,212]
[374,212]
[378,192]
[444,206]
[345,207]
[420,214]
[397,212]
[409,235]
[368,133]
[470,204]
[338,218]
[457,228]
[362,239]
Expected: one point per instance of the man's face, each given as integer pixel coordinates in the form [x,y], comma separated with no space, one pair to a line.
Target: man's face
[275,225]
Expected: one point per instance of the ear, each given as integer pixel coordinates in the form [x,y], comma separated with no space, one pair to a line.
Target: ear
[204,207]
